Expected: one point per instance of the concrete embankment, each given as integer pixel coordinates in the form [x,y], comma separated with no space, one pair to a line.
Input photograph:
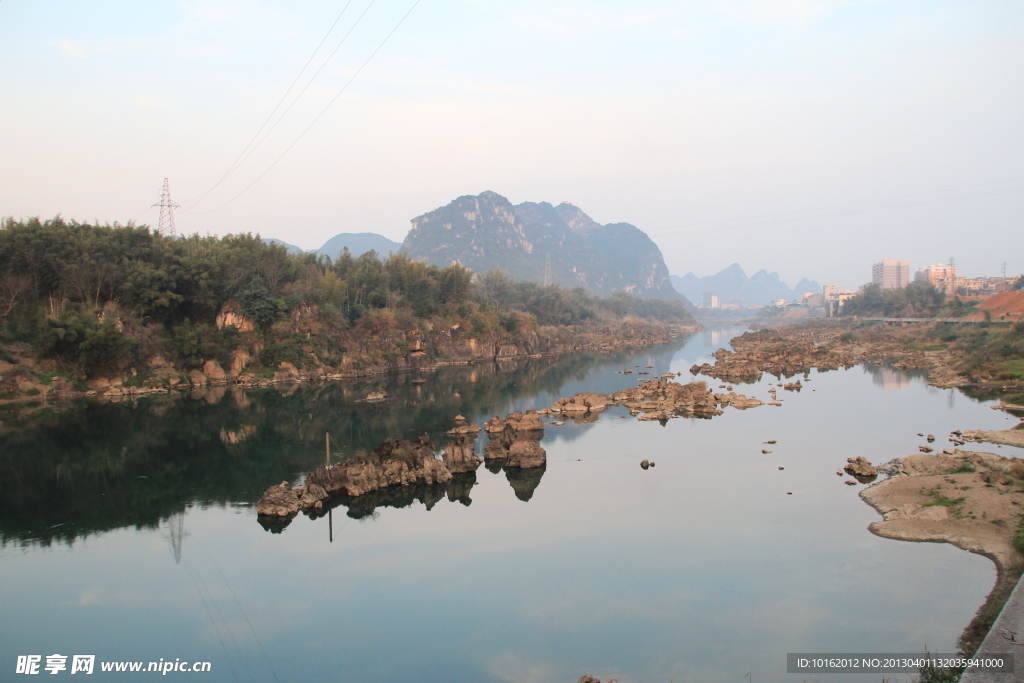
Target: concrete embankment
[1005,636]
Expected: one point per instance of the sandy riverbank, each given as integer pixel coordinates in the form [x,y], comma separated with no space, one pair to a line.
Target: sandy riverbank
[971,500]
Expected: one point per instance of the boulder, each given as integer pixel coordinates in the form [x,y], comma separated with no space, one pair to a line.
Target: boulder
[460,456]
[860,467]
[197,379]
[239,360]
[494,425]
[214,371]
[530,422]
[645,464]
[526,452]
[278,501]
[378,395]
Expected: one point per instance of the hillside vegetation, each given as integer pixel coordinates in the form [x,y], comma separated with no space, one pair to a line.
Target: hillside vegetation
[916,300]
[97,301]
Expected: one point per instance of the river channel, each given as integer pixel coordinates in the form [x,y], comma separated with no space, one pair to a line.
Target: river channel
[129,531]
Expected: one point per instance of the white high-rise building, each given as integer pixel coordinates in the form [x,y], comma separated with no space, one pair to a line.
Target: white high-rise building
[891,273]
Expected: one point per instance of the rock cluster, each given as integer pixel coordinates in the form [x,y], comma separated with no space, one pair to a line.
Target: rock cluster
[651,400]
[393,463]
[860,468]
[517,444]
[463,427]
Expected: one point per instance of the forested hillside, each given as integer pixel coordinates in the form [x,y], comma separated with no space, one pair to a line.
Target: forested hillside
[94,301]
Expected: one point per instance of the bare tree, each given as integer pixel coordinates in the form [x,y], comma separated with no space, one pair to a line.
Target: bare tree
[12,288]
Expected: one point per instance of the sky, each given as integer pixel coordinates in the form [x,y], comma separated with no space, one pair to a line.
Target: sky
[806,137]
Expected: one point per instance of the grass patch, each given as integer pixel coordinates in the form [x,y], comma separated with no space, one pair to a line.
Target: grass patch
[1010,369]
[939,498]
[1018,538]
[966,467]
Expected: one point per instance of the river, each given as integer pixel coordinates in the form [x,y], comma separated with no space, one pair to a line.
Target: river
[129,532]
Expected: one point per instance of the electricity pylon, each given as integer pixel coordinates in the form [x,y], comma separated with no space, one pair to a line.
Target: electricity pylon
[167,207]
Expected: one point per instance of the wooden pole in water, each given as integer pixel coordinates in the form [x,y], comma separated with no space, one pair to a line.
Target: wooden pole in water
[330,513]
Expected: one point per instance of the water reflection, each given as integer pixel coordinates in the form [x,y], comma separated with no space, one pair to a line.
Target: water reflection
[91,467]
[890,378]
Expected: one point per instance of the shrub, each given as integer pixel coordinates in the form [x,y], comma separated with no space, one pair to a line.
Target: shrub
[276,352]
[80,340]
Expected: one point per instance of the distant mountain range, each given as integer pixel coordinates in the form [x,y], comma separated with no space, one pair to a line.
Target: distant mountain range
[486,231]
[358,243]
[732,284]
[292,249]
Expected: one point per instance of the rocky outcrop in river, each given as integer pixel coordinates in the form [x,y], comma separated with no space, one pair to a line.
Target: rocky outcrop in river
[393,463]
[518,442]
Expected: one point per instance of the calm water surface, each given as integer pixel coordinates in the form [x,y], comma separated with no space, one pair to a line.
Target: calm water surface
[129,532]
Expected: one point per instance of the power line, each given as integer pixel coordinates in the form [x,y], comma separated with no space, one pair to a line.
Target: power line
[244,154]
[320,115]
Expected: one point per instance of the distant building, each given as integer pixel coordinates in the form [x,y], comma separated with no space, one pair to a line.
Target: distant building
[812,300]
[891,273]
[934,275]
[833,299]
[711,300]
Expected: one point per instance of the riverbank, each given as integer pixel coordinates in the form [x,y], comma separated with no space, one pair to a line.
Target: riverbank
[971,500]
[31,380]
[842,343]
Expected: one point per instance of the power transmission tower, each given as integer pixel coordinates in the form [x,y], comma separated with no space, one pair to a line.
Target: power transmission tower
[548,278]
[167,207]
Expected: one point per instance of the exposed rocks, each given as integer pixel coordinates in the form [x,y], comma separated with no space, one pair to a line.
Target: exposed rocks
[462,427]
[378,395]
[460,456]
[860,468]
[580,403]
[518,444]
[280,500]
[526,451]
[494,425]
[1008,437]
[214,371]
[393,463]
[645,464]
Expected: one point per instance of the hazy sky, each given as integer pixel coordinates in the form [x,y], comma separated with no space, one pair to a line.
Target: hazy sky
[679,117]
